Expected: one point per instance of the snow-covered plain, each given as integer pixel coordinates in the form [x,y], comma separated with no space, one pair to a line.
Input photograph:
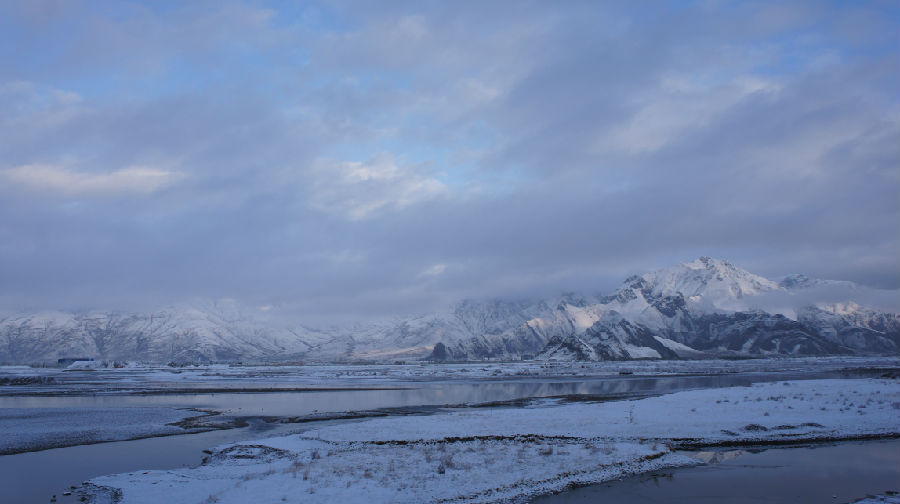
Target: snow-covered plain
[510,454]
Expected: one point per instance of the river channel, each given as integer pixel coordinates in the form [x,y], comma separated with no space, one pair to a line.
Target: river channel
[35,476]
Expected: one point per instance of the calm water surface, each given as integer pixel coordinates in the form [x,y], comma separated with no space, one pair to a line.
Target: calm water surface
[35,476]
[838,473]
[401,394]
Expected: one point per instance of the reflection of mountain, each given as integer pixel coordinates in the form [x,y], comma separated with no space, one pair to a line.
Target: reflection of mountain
[700,309]
[717,457]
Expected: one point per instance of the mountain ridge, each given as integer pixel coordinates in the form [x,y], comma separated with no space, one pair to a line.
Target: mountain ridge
[704,308]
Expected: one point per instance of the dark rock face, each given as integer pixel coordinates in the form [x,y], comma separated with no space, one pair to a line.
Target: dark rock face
[717,335]
[439,353]
[613,339]
[511,345]
[759,333]
[863,331]
[669,305]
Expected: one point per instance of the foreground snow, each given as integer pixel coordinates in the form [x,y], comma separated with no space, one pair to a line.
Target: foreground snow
[484,455]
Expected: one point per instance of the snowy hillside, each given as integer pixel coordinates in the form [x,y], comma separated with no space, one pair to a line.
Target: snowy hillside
[225,331]
[707,280]
[704,308]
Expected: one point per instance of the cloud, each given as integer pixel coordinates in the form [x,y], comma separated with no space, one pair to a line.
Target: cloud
[434,270]
[789,303]
[61,180]
[679,107]
[225,149]
[358,190]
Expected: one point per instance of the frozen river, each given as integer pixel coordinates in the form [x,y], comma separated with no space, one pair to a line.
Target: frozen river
[275,405]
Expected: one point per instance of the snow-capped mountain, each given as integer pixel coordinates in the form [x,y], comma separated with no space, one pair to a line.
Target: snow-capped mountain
[703,308]
[711,281]
[207,331]
[225,331]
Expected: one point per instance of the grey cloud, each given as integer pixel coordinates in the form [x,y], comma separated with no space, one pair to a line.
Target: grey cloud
[516,152]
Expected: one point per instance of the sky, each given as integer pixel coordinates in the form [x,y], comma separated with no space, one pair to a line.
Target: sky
[348,160]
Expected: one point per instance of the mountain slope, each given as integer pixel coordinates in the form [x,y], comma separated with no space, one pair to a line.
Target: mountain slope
[704,308]
[224,331]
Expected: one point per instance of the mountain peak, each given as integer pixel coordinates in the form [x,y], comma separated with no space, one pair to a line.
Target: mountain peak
[709,279]
[712,264]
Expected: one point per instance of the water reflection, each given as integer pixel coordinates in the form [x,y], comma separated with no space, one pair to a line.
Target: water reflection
[406,395]
[34,477]
[839,473]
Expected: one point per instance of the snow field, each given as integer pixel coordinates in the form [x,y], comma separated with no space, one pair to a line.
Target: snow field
[480,470]
[475,470]
[808,409]
[509,454]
